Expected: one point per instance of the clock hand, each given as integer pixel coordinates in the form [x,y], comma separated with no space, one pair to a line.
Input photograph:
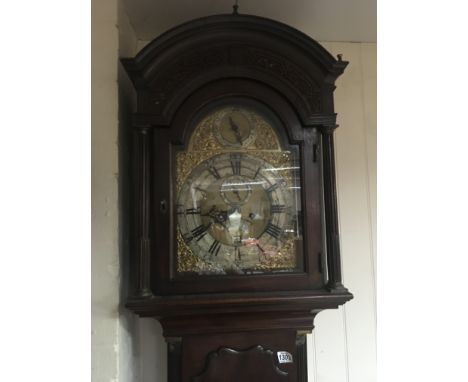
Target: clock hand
[248,220]
[217,215]
[211,211]
[252,216]
[237,194]
[236,130]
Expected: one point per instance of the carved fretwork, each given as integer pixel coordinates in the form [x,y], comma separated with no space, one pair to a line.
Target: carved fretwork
[289,72]
[254,364]
[183,70]
[243,59]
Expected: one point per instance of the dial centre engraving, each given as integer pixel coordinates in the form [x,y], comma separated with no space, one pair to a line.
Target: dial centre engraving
[236,190]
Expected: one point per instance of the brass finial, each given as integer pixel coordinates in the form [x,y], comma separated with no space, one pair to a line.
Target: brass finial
[235,8]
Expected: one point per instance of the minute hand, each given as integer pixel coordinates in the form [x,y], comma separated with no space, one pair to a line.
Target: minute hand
[236,130]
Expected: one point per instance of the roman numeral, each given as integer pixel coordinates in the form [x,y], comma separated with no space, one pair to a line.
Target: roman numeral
[197,233]
[213,171]
[215,247]
[190,211]
[277,208]
[273,231]
[236,164]
[258,171]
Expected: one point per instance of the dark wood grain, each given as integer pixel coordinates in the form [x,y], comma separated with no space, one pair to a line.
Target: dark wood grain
[215,303]
[171,67]
[230,365]
[259,347]
[301,357]
[174,358]
[331,210]
[142,187]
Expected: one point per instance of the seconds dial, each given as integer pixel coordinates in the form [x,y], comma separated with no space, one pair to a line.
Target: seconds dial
[234,127]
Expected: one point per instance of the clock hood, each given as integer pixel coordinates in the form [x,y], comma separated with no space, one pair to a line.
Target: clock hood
[220,47]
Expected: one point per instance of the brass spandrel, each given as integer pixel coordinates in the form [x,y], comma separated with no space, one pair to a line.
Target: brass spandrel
[285,258]
[186,260]
[186,161]
[266,137]
[203,138]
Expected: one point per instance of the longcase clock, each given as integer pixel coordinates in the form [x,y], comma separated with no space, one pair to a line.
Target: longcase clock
[235,245]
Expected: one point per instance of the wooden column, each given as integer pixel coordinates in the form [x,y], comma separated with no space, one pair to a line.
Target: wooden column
[143,242]
[331,210]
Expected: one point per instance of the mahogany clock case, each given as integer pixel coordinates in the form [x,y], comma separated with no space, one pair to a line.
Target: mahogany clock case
[232,326]
[190,69]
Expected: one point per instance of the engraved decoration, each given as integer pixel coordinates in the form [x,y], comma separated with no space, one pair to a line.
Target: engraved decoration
[275,241]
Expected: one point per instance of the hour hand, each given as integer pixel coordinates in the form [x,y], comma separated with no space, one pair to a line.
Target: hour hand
[236,130]
[218,216]
[236,192]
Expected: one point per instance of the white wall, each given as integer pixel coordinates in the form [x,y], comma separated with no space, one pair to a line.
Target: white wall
[113,347]
[129,357]
[105,281]
[342,347]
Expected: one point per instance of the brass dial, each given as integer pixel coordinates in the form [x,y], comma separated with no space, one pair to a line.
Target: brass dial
[234,127]
[232,217]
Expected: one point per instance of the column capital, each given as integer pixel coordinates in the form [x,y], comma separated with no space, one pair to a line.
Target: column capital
[142,128]
[329,128]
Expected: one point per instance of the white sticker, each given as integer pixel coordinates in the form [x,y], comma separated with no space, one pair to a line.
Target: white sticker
[284,357]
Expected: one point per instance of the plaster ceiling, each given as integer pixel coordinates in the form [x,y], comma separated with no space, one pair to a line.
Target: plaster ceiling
[323,20]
